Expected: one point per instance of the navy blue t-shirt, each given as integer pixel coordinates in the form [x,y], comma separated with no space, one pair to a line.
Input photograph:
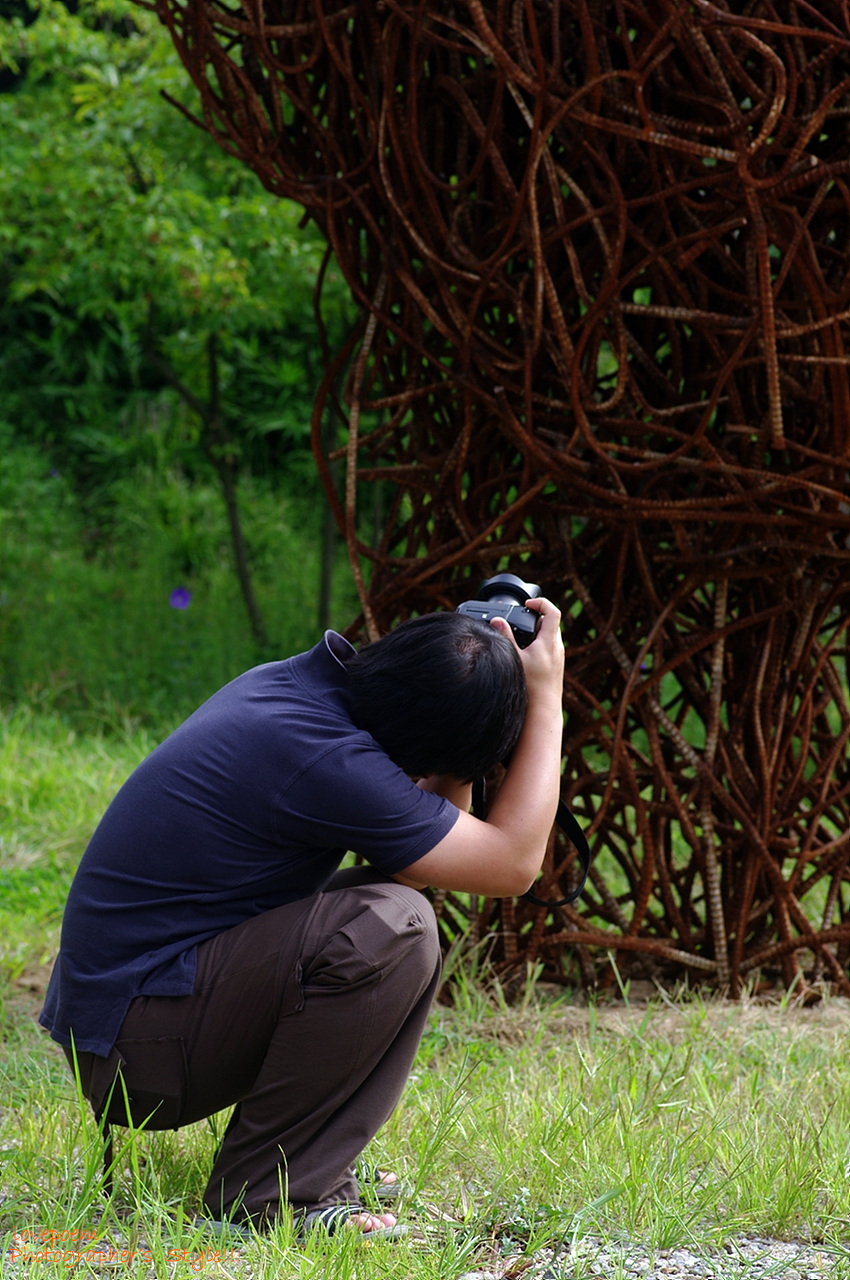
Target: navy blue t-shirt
[250,804]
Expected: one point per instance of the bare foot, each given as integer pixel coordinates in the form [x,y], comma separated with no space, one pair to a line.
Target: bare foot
[367,1222]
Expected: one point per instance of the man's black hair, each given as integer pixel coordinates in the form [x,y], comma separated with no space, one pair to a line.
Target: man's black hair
[443,693]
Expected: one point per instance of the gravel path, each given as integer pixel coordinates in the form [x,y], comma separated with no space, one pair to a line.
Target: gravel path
[748,1258]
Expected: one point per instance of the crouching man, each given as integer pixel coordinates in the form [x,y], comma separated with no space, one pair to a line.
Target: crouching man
[213,955]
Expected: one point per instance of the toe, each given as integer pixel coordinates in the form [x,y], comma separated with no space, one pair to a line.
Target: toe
[367,1222]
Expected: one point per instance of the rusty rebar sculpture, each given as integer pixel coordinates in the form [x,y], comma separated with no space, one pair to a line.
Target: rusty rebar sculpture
[601,250]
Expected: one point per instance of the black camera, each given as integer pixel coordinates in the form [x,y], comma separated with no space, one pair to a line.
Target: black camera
[504,597]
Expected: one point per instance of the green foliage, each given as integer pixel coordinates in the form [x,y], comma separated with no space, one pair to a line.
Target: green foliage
[86,623]
[119,215]
[131,250]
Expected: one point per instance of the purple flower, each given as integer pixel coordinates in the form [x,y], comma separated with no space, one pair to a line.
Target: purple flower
[180,598]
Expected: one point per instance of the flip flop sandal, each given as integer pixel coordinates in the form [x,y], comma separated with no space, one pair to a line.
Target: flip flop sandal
[336,1217]
[371,1179]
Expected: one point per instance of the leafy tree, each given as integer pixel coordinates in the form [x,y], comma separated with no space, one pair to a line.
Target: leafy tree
[140,265]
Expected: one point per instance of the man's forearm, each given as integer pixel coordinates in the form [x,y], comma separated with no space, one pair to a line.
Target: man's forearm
[526,803]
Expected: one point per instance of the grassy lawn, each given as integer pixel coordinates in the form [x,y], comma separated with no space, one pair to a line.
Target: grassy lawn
[552,1133]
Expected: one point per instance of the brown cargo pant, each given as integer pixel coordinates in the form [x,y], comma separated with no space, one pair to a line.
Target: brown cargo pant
[307,1018]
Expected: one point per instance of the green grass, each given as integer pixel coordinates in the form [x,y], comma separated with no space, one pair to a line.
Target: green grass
[87,626]
[525,1128]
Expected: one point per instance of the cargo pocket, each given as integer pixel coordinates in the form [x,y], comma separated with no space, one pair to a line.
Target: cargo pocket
[154,1075]
[367,948]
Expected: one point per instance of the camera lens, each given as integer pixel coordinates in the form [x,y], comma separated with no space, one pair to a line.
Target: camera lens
[507,589]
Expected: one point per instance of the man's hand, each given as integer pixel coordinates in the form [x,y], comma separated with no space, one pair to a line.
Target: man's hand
[543,659]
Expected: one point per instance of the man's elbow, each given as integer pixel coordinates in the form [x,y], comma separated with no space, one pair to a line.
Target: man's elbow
[513,883]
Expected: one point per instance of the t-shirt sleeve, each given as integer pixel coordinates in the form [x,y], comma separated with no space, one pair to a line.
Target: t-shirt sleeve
[356,799]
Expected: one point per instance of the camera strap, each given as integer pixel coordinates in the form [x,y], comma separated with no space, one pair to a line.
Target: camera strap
[567,821]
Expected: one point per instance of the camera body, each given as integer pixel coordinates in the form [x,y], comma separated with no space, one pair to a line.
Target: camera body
[504,596]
